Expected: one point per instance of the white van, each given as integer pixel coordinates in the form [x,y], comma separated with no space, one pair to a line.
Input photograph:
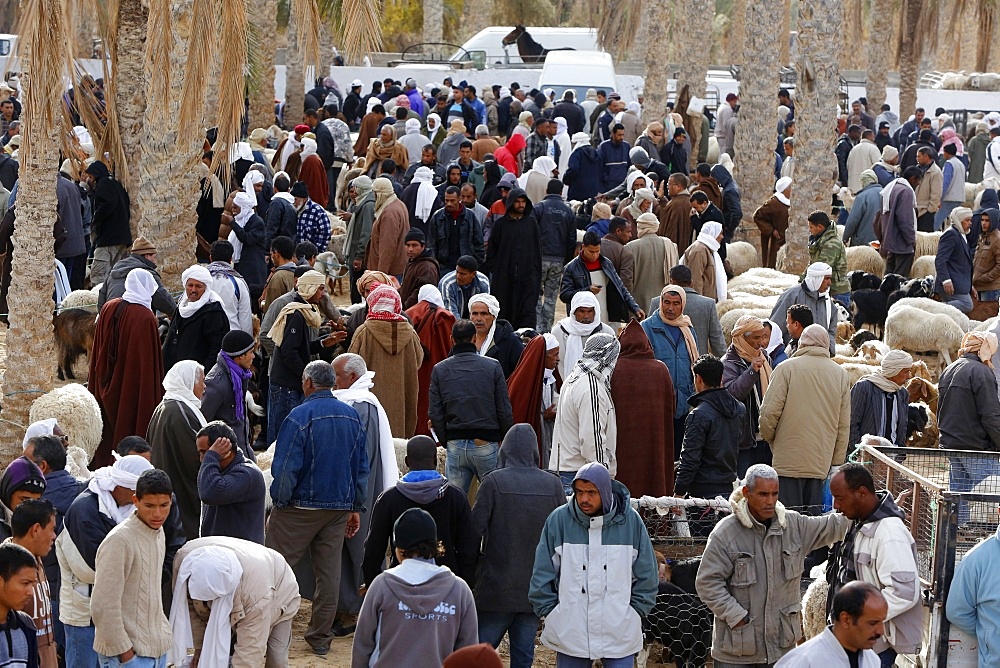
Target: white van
[578,70]
[490,41]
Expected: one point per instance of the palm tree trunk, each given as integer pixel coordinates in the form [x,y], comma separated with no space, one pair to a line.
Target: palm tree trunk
[908,59]
[168,192]
[755,136]
[738,31]
[818,85]
[851,34]
[264,18]
[879,34]
[30,370]
[785,34]
[433,20]
[295,77]
[986,13]
[653,37]
[697,14]
[130,96]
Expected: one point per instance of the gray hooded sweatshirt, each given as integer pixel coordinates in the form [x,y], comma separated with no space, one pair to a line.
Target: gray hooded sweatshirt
[512,505]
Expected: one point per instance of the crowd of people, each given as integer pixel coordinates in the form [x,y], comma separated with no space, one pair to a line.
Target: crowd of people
[551,351]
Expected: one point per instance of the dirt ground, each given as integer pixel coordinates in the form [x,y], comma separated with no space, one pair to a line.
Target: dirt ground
[300,655]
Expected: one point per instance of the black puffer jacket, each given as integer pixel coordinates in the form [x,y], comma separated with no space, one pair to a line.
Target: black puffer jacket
[197,338]
[110,223]
[711,442]
[507,347]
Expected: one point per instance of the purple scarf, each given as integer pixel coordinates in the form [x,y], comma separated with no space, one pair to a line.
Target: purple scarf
[238,375]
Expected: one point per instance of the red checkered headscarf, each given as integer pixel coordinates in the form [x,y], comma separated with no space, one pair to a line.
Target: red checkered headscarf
[384,304]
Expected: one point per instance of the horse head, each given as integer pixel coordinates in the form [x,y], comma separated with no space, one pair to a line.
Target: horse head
[513,35]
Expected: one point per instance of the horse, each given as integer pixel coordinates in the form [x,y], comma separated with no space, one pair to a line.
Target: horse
[529,50]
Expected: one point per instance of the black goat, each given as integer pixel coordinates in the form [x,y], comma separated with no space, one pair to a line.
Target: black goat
[871,306]
[862,280]
[680,621]
[863,336]
[915,287]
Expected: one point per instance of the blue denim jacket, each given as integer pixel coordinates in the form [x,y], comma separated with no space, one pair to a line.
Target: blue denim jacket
[320,460]
[675,356]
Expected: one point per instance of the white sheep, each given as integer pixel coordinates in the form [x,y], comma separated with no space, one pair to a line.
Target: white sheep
[742,257]
[83,299]
[984,326]
[911,329]
[923,266]
[763,282]
[865,258]
[745,300]
[927,244]
[873,351]
[930,306]
[814,608]
[78,414]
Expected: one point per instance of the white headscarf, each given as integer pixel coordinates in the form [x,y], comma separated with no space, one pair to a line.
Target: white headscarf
[435,127]
[412,126]
[430,293]
[309,147]
[779,189]
[493,305]
[577,331]
[561,126]
[542,165]
[580,139]
[139,288]
[360,390]
[188,308]
[776,339]
[426,192]
[212,574]
[179,386]
[246,201]
[252,177]
[815,274]
[708,236]
[40,428]
[125,473]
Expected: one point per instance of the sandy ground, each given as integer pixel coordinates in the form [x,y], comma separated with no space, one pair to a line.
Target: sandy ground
[300,655]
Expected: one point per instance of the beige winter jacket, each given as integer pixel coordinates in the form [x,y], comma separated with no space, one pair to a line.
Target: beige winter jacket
[266,596]
[806,414]
[929,191]
[748,568]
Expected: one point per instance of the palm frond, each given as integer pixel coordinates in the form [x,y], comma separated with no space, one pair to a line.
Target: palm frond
[304,18]
[235,28]
[986,13]
[159,42]
[111,148]
[196,70]
[618,23]
[40,50]
[360,27]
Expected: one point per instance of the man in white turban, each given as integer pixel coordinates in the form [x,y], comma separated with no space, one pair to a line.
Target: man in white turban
[572,332]
[495,337]
[879,402]
[814,292]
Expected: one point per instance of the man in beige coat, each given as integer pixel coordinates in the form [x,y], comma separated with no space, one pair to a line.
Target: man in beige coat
[806,417]
[928,193]
[254,589]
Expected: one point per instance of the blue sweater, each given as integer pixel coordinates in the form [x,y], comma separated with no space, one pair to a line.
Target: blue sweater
[674,354]
[232,499]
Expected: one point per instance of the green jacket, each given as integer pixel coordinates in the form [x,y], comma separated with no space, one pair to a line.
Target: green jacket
[830,249]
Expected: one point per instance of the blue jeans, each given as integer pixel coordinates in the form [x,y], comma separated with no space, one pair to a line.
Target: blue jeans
[962,302]
[566,478]
[942,214]
[135,662]
[280,402]
[967,472]
[520,626]
[466,459]
[80,646]
[545,310]
[566,661]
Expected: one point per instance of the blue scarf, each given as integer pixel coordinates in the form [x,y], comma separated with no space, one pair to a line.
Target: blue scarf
[238,375]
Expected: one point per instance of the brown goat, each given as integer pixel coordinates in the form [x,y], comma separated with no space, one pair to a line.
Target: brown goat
[74,332]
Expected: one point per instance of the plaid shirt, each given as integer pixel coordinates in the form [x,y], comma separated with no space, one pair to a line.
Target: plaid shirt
[314,226]
[537,146]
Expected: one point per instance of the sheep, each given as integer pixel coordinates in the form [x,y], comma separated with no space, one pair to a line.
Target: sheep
[865,258]
[873,351]
[78,414]
[927,243]
[921,426]
[742,257]
[923,266]
[869,307]
[845,330]
[844,350]
[915,287]
[862,280]
[923,390]
[856,370]
[814,608]
[911,329]
[82,299]
[985,326]
[745,300]
[931,306]
[763,282]
[919,370]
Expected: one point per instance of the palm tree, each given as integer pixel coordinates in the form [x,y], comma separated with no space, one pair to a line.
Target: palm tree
[879,35]
[263,26]
[697,36]
[653,36]
[816,118]
[758,87]
[433,16]
[43,44]
[851,34]
[917,37]
[738,31]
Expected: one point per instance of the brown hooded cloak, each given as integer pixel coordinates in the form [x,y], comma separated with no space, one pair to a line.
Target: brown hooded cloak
[525,388]
[433,325]
[644,404]
[392,350]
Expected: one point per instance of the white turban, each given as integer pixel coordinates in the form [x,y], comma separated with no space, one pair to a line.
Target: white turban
[412,126]
[309,147]
[895,361]
[551,342]
[40,428]
[782,184]
[179,386]
[815,274]
[139,288]
[489,300]
[430,293]
[187,308]
[211,574]
[253,177]
[123,473]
